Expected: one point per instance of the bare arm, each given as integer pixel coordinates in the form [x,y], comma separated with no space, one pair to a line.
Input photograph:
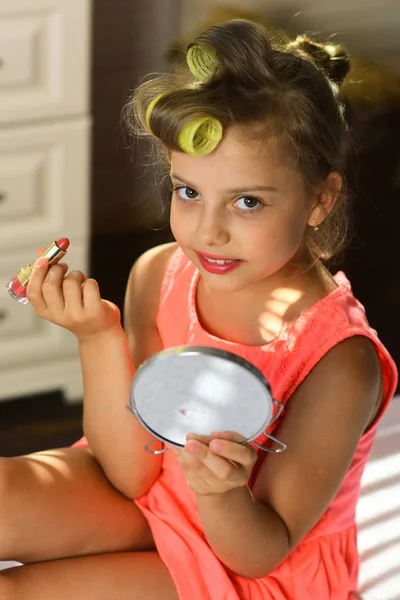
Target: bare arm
[114,435]
[116,438]
[325,419]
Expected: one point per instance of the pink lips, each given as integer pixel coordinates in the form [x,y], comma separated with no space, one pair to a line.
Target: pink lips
[215,268]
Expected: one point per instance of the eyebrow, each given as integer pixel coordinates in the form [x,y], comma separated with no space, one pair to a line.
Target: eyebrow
[250,188]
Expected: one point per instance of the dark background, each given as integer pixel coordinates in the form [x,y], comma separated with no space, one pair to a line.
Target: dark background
[130,39]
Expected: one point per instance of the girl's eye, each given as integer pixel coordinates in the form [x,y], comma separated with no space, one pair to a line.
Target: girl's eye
[248,204]
[185,193]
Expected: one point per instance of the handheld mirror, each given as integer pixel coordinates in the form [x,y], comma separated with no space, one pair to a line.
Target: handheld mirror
[196,389]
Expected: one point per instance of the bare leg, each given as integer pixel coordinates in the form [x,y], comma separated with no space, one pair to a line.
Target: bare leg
[119,576]
[59,504]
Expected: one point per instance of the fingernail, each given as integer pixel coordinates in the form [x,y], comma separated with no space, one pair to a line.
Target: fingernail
[41,262]
[193,447]
[216,445]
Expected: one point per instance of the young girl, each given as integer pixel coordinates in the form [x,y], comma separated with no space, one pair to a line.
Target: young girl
[253,136]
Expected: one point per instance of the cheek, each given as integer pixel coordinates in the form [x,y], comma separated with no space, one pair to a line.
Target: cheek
[295,225]
[180,223]
[172,219]
[283,232]
[296,233]
[175,221]
[277,242]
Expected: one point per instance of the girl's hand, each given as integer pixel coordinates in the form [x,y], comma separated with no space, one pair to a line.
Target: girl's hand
[71,301]
[220,466]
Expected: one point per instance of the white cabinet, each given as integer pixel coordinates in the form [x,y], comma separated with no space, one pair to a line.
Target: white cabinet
[44,182]
[35,355]
[44,57]
[44,178]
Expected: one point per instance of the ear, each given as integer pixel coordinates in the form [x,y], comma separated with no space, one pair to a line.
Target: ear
[325,199]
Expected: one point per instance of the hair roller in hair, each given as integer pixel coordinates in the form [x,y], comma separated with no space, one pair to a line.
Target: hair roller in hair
[200,136]
[150,109]
[202,61]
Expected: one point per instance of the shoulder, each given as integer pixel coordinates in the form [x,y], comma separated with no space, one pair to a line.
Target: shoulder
[332,330]
[150,267]
[142,300]
[355,355]
[349,376]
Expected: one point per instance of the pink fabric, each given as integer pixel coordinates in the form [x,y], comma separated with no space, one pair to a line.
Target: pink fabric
[324,565]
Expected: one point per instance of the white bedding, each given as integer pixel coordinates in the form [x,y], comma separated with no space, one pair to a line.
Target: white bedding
[378,513]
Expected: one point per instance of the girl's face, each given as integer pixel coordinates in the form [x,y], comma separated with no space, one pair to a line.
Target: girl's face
[241,203]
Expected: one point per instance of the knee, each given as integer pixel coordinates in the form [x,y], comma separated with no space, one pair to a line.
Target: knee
[7,506]
[7,587]
[6,477]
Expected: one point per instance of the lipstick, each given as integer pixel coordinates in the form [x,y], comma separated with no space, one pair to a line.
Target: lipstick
[217,265]
[17,284]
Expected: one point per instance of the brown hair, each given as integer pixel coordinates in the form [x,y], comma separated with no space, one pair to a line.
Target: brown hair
[289,86]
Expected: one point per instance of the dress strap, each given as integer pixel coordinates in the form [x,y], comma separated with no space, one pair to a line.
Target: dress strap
[170,274]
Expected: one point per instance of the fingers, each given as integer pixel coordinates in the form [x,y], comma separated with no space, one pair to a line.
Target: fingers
[242,454]
[229,445]
[224,435]
[227,460]
[51,292]
[71,301]
[52,288]
[72,290]
[197,469]
[204,439]
[34,287]
[91,295]
[218,466]
[233,436]
[222,465]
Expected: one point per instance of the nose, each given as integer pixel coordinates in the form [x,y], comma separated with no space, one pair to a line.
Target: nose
[212,229]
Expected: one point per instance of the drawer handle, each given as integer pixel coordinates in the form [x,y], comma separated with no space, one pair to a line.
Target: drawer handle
[3,315]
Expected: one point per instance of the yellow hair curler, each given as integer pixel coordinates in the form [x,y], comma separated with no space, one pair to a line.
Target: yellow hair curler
[150,109]
[200,136]
[202,61]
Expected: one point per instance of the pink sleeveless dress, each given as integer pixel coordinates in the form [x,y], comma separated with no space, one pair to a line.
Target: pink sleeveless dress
[324,566]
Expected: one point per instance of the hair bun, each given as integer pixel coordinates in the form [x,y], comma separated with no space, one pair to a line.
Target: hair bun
[331,58]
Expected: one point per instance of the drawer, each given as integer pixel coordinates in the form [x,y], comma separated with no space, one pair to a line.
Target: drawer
[15,322]
[24,337]
[44,183]
[44,58]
